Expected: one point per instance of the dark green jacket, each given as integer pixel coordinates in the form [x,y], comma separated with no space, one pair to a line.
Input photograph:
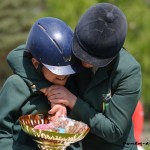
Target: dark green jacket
[110,130]
[20,96]
[119,88]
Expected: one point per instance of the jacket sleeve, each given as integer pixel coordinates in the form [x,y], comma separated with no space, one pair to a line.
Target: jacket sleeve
[112,124]
[12,95]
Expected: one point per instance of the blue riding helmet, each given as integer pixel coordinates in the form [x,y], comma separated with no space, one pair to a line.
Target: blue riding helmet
[50,42]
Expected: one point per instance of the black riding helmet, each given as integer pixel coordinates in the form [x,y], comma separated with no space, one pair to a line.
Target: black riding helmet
[100,34]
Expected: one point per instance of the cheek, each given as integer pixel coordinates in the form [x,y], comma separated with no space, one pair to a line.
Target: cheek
[48,76]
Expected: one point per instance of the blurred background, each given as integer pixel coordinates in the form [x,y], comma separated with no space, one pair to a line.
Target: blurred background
[17,17]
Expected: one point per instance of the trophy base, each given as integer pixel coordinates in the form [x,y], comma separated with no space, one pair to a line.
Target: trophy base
[46,147]
[51,146]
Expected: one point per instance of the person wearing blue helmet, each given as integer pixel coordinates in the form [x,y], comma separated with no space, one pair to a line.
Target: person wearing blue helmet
[106,93]
[45,59]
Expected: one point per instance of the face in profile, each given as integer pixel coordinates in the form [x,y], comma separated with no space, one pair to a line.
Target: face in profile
[53,78]
[50,76]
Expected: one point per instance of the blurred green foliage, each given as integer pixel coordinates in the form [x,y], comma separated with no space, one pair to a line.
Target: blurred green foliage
[17,16]
[146,147]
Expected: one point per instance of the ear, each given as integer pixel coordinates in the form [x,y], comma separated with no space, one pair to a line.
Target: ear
[35,63]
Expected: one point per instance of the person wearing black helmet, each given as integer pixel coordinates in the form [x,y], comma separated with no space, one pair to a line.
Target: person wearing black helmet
[107,91]
[45,59]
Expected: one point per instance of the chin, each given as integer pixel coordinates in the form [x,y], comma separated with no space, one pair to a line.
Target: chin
[60,83]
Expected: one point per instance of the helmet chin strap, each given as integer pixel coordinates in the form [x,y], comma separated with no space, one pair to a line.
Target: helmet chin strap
[39,69]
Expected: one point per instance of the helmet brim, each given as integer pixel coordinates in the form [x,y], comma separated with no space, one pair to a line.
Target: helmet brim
[64,70]
[81,54]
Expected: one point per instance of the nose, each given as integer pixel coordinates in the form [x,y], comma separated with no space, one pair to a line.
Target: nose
[86,65]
